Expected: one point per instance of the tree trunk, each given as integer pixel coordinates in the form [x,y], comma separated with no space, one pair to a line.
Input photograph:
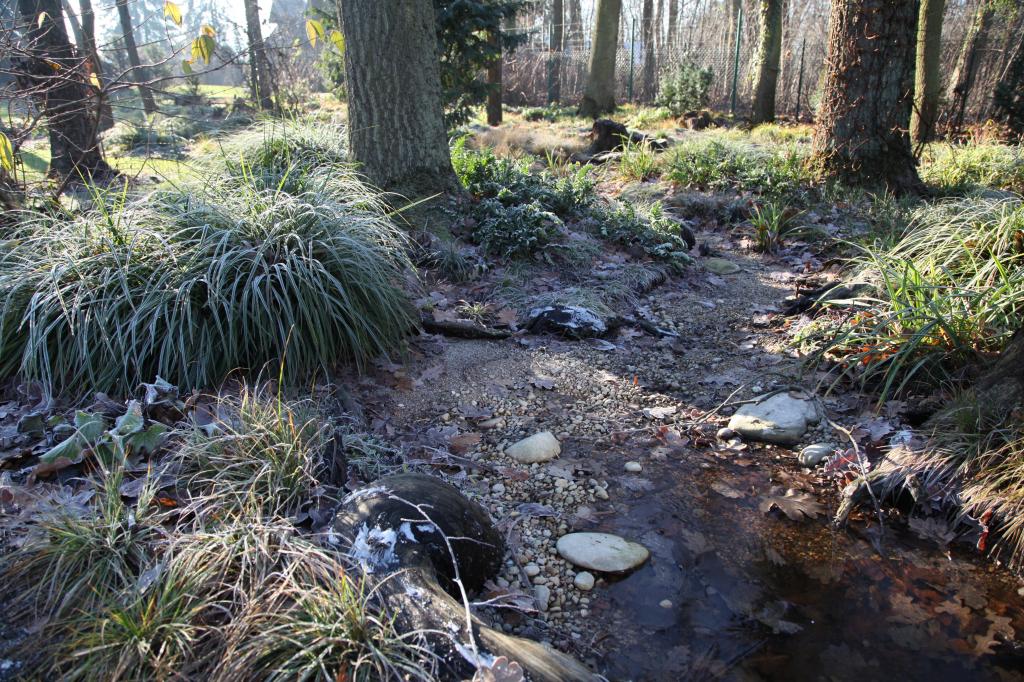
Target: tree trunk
[148,104]
[494,83]
[926,76]
[574,20]
[599,95]
[862,135]
[673,19]
[647,36]
[104,111]
[962,80]
[555,61]
[61,94]
[769,52]
[1008,100]
[427,547]
[259,66]
[396,119]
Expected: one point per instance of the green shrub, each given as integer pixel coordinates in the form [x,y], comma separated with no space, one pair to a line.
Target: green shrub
[951,291]
[638,161]
[516,231]
[961,168]
[659,236]
[684,87]
[718,164]
[191,289]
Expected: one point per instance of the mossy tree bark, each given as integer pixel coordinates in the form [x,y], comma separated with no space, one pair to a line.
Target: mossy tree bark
[396,119]
[138,72]
[62,94]
[599,95]
[927,81]
[769,52]
[862,135]
[259,65]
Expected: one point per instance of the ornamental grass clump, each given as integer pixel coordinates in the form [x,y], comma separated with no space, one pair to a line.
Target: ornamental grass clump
[191,287]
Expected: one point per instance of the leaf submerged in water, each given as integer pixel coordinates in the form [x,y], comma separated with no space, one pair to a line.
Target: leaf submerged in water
[795,505]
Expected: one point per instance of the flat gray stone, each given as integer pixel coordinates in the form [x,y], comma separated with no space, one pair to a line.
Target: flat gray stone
[782,418]
[540,447]
[721,266]
[584,581]
[812,455]
[602,552]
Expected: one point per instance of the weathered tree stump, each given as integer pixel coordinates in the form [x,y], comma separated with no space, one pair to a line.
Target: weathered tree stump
[427,547]
[607,136]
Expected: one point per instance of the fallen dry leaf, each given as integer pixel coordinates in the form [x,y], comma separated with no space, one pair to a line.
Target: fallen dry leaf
[795,505]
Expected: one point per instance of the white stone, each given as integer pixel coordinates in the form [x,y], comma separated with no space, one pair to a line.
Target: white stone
[532,570]
[540,447]
[665,604]
[812,455]
[633,467]
[601,552]
[543,595]
[782,418]
[584,581]
[498,488]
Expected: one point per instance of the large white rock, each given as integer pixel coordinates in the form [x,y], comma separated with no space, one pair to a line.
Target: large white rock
[782,418]
[601,552]
[540,447]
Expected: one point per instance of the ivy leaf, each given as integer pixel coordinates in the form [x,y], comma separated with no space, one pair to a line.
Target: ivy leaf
[6,153]
[148,440]
[314,30]
[338,40]
[186,67]
[173,11]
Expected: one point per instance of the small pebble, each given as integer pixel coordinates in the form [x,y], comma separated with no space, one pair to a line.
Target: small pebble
[584,581]
[725,433]
[498,488]
[633,467]
[543,596]
[532,570]
[665,604]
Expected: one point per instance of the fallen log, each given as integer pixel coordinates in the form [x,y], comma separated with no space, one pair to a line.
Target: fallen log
[462,329]
[427,547]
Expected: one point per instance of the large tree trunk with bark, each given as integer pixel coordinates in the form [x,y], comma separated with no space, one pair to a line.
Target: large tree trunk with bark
[555,61]
[574,20]
[259,65]
[927,81]
[61,94]
[396,119]
[599,96]
[769,53]
[138,73]
[862,135]
[426,548]
[962,81]
[673,19]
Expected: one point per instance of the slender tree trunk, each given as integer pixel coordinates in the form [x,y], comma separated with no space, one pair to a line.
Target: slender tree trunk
[139,74]
[76,26]
[555,61]
[396,119]
[673,19]
[647,36]
[259,66]
[769,53]
[574,19]
[1008,100]
[862,135]
[926,76]
[494,83]
[599,96]
[61,94]
[105,113]
[962,80]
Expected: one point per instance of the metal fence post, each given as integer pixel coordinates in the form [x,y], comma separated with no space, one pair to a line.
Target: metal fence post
[632,50]
[800,79]
[736,59]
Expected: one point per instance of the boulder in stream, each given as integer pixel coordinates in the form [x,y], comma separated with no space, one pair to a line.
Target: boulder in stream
[781,418]
[602,552]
